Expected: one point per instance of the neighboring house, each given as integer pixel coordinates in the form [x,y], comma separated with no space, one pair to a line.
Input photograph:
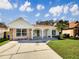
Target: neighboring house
[3,28]
[73,29]
[21,29]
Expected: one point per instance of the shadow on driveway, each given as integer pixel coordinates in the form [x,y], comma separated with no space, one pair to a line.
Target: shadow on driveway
[35,41]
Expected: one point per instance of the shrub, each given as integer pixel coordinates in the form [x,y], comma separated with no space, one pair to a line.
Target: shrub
[56,36]
[61,36]
[65,35]
[1,40]
[74,38]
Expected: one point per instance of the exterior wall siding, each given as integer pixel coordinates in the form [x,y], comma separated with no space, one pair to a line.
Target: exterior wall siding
[28,36]
[2,30]
[12,34]
[22,24]
[70,32]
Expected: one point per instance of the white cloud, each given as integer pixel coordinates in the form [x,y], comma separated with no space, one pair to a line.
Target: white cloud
[40,7]
[74,9]
[26,7]
[29,9]
[65,9]
[5,4]
[56,11]
[63,17]
[46,15]
[37,15]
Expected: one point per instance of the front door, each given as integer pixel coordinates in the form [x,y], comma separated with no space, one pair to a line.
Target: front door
[5,35]
[38,33]
[53,33]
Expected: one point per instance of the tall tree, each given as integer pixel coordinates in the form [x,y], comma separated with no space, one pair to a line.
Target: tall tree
[62,25]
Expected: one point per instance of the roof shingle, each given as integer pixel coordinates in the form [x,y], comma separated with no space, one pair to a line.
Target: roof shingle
[2,25]
[73,24]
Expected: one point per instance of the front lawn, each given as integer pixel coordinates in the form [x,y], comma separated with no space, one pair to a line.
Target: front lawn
[4,42]
[68,49]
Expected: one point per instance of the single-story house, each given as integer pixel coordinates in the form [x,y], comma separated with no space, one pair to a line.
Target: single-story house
[21,29]
[72,30]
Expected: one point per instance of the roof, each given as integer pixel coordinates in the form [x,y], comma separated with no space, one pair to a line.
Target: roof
[42,25]
[2,25]
[19,23]
[22,23]
[73,24]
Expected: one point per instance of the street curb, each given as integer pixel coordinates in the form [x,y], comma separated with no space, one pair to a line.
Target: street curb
[47,41]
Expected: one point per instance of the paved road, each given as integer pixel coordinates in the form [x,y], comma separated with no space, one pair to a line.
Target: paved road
[29,51]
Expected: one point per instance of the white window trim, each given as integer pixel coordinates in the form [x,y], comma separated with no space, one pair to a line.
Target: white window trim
[21,33]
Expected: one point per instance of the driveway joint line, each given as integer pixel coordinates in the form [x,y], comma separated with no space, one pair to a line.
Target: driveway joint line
[25,52]
[11,57]
[16,52]
[8,49]
[18,48]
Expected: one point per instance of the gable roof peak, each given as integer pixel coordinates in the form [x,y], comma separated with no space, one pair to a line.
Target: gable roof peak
[20,23]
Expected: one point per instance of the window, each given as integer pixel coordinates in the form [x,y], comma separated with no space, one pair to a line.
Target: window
[18,32]
[21,32]
[24,33]
[53,32]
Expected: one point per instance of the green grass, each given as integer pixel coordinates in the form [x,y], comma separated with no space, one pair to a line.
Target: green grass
[68,49]
[4,42]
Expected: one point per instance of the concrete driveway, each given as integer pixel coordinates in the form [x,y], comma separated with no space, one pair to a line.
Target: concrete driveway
[29,51]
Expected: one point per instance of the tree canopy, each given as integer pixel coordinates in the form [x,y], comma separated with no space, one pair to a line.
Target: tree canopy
[62,24]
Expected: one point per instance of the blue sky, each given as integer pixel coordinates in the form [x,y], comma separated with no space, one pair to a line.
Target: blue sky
[39,10]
